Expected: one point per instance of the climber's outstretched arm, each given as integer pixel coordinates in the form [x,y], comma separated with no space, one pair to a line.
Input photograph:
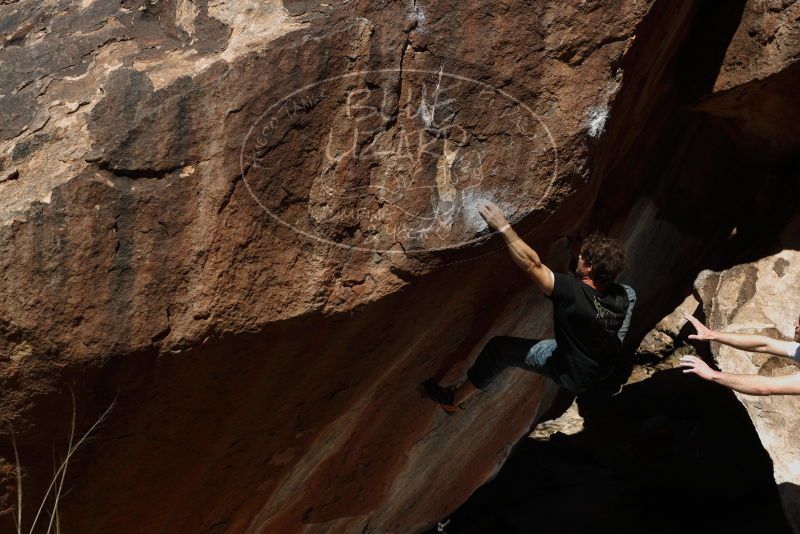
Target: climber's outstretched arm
[523,255]
[749,342]
[747,384]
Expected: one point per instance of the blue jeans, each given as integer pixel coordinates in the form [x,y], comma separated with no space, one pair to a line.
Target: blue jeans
[539,354]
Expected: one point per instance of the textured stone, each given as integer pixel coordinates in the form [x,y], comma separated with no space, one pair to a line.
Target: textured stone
[766,42]
[568,424]
[754,96]
[9,174]
[762,298]
[655,346]
[661,340]
[262,298]
[264,364]
[692,179]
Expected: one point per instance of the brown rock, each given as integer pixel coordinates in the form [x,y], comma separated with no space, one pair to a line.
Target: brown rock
[674,323]
[655,346]
[263,329]
[766,42]
[569,423]
[9,174]
[754,96]
[260,273]
[661,341]
[714,146]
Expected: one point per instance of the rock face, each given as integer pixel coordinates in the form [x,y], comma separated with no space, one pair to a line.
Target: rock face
[250,225]
[248,222]
[659,342]
[762,298]
[706,171]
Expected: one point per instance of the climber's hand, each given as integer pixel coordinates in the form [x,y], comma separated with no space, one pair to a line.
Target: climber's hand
[703,332]
[493,215]
[694,365]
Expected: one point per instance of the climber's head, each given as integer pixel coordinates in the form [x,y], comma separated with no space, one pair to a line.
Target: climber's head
[601,258]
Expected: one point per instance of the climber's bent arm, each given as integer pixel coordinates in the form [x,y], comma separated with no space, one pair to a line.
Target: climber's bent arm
[529,260]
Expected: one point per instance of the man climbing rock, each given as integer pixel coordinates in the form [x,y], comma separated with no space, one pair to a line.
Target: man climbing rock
[591,315]
[747,384]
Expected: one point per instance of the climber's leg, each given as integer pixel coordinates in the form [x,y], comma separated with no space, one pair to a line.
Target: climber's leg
[539,354]
[500,353]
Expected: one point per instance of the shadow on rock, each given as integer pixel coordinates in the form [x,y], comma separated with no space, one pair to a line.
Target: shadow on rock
[668,454]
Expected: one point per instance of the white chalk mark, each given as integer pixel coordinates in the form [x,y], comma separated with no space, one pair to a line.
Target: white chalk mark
[471,200]
[597,121]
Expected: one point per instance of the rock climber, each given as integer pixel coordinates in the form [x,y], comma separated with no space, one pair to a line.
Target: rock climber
[747,384]
[591,315]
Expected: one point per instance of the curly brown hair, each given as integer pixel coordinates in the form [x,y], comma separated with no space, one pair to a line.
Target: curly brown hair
[606,257]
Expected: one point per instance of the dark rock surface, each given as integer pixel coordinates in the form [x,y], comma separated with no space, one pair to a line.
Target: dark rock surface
[668,454]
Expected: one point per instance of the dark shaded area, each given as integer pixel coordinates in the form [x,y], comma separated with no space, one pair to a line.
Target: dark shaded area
[666,455]
[791,494]
[687,181]
[672,182]
[758,234]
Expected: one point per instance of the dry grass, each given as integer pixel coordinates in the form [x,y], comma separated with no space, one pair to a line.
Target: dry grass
[55,490]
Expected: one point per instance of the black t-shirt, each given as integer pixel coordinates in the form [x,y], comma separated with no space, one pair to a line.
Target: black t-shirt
[586,323]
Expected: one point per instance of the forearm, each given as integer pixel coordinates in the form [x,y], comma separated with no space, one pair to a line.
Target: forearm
[522,254]
[749,342]
[747,384]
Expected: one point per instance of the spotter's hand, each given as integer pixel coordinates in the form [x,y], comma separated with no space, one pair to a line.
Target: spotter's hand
[694,365]
[703,332]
